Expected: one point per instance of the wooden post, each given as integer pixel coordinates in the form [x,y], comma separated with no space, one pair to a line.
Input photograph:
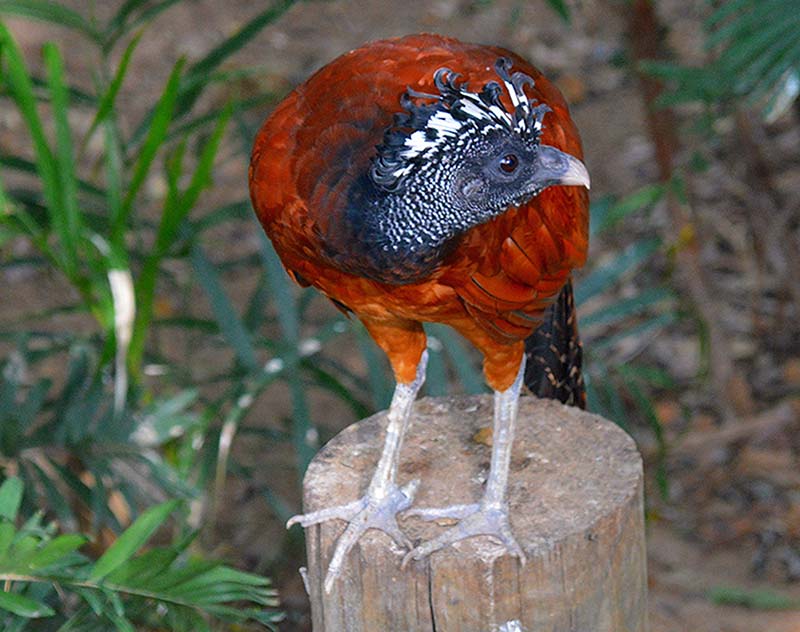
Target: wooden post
[575,494]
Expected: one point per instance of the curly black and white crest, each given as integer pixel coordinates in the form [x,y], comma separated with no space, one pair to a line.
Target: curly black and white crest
[433,123]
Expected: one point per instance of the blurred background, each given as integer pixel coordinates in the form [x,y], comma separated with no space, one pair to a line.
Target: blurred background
[187,422]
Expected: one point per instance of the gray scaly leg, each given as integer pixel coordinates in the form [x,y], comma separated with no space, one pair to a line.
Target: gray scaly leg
[490,515]
[378,507]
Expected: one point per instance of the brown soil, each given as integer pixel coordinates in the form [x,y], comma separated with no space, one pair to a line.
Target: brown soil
[728,493]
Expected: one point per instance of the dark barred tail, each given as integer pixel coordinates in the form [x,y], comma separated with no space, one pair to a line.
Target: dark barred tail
[554,354]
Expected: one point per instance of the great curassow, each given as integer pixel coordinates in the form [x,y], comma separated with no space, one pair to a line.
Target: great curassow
[423,179]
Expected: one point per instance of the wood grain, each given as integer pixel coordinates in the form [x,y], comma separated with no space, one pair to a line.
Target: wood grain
[575,494]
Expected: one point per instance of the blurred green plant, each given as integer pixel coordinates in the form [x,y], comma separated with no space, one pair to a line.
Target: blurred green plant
[90,209]
[753,599]
[84,230]
[106,216]
[561,8]
[73,450]
[620,385]
[48,583]
[754,55]
[122,218]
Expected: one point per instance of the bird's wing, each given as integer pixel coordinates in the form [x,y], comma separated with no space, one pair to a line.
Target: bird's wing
[516,264]
[524,258]
[506,271]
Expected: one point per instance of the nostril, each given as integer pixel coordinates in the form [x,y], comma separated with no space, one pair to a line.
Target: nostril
[553,161]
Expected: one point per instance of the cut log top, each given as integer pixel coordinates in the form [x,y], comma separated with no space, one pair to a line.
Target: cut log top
[569,467]
[575,496]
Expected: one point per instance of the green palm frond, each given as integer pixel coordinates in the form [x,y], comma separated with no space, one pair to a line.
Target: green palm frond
[45,577]
[39,424]
[756,56]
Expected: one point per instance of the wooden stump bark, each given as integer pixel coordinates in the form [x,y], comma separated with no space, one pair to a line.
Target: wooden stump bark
[575,496]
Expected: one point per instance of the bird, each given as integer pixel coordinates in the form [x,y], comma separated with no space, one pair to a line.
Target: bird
[425,179]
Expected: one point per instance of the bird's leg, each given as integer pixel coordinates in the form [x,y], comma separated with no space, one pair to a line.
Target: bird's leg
[383,499]
[490,515]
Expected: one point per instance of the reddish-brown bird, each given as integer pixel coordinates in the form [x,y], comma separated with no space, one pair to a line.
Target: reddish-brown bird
[425,179]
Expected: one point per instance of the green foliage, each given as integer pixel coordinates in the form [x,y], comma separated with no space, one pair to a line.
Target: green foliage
[615,331]
[45,577]
[97,441]
[38,425]
[92,225]
[85,245]
[754,599]
[561,8]
[755,55]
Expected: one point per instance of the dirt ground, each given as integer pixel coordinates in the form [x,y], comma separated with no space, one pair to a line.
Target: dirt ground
[697,541]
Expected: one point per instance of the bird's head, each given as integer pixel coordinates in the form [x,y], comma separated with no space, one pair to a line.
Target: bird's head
[466,154]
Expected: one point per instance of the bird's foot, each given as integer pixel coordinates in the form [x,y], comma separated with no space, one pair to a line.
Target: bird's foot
[371,511]
[474,519]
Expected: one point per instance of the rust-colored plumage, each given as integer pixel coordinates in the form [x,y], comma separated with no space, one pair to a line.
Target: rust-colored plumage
[492,283]
[495,285]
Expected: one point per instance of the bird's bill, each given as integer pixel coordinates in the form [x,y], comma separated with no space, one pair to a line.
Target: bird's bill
[559,168]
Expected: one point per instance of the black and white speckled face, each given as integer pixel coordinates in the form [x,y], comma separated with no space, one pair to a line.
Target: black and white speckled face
[457,128]
[450,162]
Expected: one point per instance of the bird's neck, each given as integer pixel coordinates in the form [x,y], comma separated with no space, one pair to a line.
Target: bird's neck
[396,238]
[410,223]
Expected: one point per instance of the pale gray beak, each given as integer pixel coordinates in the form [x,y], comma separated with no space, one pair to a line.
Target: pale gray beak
[559,168]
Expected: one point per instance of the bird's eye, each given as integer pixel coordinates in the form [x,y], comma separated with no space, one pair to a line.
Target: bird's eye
[509,163]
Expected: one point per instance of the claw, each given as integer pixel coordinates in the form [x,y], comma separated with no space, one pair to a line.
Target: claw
[409,490]
[368,512]
[490,516]
[379,506]
[342,512]
[475,519]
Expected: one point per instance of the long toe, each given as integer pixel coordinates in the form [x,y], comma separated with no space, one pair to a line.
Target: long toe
[342,512]
[490,521]
[368,512]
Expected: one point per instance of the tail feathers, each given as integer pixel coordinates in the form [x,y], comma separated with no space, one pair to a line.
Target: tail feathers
[554,354]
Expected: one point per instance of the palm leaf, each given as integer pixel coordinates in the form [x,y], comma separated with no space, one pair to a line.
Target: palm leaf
[118,587]
[756,56]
